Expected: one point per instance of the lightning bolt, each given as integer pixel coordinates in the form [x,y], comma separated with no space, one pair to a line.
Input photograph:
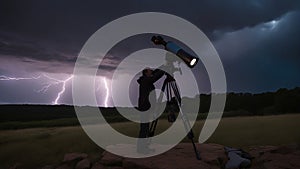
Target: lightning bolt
[107,92]
[46,86]
[54,82]
[63,89]
[2,77]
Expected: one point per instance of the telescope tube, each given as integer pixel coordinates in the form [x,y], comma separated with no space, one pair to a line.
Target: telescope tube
[188,59]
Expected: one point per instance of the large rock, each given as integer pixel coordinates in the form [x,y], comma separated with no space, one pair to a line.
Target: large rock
[272,157]
[71,159]
[182,156]
[179,157]
[109,159]
[260,150]
[174,162]
[213,157]
[280,161]
[212,154]
[83,164]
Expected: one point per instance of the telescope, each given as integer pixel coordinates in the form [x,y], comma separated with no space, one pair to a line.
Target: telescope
[172,91]
[188,59]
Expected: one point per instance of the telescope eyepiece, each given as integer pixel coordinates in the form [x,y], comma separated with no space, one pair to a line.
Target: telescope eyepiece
[158,40]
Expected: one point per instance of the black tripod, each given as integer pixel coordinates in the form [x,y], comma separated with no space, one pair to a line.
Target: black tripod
[170,85]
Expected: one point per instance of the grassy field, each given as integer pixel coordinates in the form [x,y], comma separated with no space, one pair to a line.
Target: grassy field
[41,146]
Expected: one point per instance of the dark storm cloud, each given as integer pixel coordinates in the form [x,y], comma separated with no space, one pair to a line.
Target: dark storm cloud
[46,36]
[74,21]
[56,26]
[264,57]
[106,70]
[24,48]
[236,14]
[60,21]
[277,38]
[107,65]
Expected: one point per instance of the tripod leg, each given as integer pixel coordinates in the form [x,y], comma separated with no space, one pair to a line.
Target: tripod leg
[154,123]
[152,128]
[176,91]
[185,120]
[195,149]
[190,133]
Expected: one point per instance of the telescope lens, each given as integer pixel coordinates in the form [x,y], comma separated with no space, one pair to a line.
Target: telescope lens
[192,63]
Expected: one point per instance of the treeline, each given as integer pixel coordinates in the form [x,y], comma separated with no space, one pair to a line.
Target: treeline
[243,104]
[237,104]
[23,113]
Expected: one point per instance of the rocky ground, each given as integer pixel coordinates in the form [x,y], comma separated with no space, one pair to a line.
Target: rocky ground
[182,157]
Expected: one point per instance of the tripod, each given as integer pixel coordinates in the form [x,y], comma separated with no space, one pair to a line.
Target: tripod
[170,85]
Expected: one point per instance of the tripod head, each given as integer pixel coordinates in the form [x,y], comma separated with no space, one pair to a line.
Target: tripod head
[171,60]
[169,78]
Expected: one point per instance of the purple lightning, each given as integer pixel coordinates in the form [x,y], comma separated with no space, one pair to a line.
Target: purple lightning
[107,92]
[63,89]
[51,82]
[55,81]
[2,77]
[105,82]
[46,86]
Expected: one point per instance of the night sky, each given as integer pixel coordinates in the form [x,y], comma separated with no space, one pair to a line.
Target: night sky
[258,42]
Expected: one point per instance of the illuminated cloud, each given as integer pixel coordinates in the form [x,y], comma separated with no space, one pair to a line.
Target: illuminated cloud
[258,42]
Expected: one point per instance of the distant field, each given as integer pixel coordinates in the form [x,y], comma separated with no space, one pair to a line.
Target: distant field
[41,146]
[28,116]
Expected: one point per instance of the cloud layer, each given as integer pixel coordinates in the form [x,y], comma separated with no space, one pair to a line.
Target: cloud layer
[258,41]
